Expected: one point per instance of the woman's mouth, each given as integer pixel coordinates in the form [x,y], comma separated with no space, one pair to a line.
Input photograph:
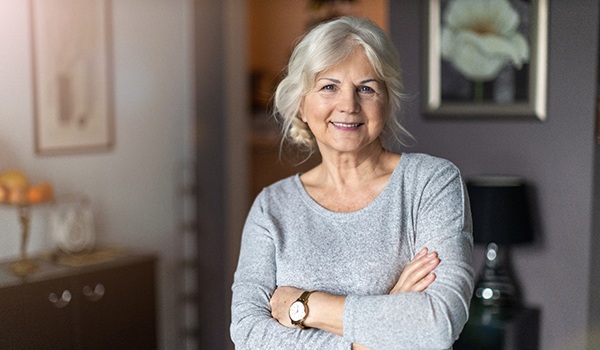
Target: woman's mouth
[346,125]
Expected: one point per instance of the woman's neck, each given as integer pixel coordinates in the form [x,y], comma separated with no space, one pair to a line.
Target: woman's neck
[348,170]
[349,183]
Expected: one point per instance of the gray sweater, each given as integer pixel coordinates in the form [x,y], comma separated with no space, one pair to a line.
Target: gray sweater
[290,240]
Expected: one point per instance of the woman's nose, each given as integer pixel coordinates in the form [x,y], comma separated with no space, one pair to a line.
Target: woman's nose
[349,101]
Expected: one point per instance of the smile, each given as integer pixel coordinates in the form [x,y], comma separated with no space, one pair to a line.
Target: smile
[346,125]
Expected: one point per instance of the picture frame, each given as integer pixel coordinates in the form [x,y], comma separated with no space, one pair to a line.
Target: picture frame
[456,85]
[72,76]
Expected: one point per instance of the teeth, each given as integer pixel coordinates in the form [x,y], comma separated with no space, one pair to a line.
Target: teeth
[345,125]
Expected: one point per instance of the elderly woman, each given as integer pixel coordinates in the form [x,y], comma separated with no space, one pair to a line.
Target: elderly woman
[369,249]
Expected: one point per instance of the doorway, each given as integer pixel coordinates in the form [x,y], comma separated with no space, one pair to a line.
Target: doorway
[273,27]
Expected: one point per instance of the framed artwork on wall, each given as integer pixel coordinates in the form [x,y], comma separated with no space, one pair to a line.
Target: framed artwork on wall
[72,75]
[485,58]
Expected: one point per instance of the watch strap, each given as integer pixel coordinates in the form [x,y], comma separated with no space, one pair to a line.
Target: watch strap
[304,296]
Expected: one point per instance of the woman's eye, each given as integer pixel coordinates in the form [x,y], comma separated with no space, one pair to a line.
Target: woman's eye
[329,87]
[366,89]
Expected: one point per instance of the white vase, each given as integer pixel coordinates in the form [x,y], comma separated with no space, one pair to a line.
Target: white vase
[72,224]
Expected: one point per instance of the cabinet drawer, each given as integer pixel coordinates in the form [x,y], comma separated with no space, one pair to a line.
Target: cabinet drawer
[38,315]
[117,308]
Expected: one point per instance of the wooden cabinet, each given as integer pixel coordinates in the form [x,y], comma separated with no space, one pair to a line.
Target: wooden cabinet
[108,305]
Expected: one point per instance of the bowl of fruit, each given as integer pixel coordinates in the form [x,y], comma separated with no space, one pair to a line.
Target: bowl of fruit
[17,189]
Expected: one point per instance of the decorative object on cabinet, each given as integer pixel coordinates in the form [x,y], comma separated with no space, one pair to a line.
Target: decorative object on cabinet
[109,305]
[489,61]
[72,223]
[72,75]
[501,218]
[17,191]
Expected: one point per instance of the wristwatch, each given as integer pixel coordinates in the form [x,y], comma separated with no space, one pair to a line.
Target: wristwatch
[299,310]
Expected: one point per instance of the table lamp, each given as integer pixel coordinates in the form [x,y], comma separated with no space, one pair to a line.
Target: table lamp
[501,218]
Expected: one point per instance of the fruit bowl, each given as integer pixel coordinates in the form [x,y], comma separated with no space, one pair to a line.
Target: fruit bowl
[16,189]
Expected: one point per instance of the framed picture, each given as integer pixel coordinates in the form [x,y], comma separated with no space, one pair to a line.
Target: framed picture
[72,75]
[486,58]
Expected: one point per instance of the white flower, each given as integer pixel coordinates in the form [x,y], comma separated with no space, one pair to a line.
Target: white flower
[480,37]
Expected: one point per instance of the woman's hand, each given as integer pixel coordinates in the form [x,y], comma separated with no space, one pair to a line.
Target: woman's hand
[418,274]
[282,299]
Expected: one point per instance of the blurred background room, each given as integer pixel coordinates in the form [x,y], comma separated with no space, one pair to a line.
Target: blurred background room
[186,143]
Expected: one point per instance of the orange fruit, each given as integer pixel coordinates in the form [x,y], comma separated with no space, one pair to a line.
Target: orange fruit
[41,192]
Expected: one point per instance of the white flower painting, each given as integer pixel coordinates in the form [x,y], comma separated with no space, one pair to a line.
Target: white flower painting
[480,37]
[486,58]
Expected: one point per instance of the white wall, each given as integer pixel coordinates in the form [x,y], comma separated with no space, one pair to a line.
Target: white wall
[132,186]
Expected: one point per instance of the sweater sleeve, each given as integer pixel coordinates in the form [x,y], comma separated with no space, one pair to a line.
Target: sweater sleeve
[252,326]
[432,319]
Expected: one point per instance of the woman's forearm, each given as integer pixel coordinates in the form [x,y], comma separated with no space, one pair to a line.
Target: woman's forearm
[326,312]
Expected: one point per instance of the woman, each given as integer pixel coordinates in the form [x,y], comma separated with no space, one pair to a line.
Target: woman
[343,256]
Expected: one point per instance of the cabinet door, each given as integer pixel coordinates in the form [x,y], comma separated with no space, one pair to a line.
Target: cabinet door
[37,315]
[117,308]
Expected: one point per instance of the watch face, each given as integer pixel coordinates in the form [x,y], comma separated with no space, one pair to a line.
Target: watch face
[297,311]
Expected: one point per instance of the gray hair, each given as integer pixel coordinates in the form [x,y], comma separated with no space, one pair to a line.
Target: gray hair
[323,47]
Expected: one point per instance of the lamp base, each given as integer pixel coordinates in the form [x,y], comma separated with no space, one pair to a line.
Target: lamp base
[23,267]
[496,285]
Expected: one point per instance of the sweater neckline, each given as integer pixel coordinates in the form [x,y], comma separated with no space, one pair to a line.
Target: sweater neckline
[373,205]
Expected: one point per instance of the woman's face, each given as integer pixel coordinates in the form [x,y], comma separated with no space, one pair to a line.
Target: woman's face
[346,109]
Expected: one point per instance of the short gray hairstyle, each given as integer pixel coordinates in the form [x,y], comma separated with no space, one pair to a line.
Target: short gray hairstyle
[323,47]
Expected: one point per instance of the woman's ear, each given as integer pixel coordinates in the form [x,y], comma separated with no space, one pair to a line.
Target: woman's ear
[300,115]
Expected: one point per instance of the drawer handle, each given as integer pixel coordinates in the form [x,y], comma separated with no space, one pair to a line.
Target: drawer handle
[63,301]
[94,294]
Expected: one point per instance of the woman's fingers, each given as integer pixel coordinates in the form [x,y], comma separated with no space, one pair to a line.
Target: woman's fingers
[419,268]
[424,283]
[417,275]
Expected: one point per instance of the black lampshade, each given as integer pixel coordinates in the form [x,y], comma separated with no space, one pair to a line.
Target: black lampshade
[500,209]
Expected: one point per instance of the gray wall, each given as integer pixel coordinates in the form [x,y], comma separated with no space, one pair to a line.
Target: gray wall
[556,156]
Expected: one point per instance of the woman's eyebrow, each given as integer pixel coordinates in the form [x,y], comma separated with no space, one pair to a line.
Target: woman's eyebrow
[369,81]
[331,79]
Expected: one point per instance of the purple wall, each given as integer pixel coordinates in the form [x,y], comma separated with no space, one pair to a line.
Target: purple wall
[556,156]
